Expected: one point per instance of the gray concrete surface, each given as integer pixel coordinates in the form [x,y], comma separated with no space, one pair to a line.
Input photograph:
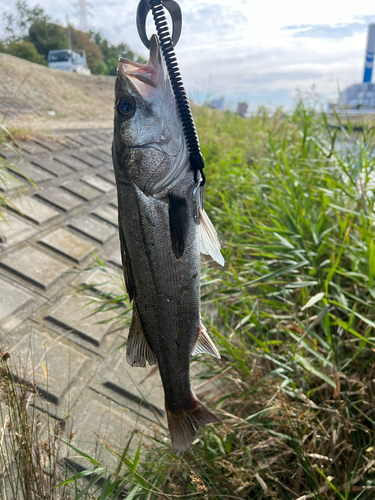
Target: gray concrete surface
[77,359]
[48,239]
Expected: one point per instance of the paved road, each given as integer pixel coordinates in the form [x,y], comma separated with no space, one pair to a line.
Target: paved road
[48,238]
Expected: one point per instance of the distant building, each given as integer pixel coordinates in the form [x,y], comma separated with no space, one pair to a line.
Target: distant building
[242,109]
[361,96]
[217,104]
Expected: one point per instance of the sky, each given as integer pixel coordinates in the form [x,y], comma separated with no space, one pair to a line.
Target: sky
[246,50]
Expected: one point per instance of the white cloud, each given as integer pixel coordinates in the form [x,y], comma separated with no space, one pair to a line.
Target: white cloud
[247,49]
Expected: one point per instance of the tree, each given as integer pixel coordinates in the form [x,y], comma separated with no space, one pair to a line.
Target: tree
[30,34]
[111,53]
[47,36]
[25,50]
[94,55]
[17,26]
[16,30]
[17,40]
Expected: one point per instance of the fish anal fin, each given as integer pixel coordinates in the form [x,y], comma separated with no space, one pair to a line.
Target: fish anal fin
[209,243]
[138,350]
[178,216]
[126,265]
[184,424]
[204,344]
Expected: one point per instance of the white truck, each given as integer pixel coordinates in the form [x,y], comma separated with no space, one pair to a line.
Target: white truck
[73,61]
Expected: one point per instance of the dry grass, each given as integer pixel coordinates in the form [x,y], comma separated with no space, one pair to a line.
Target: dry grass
[30,451]
[29,92]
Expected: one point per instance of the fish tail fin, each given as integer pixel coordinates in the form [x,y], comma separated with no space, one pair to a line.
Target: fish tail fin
[183,425]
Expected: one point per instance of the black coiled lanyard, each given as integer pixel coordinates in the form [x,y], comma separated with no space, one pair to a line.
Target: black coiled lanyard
[167,43]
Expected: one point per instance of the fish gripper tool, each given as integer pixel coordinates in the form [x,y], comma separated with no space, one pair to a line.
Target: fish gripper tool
[167,43]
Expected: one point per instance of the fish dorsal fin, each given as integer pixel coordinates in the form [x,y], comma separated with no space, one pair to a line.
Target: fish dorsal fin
[209,243]
[138,350]
[204,344]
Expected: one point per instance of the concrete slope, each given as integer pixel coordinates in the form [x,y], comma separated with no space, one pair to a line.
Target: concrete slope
[42,98]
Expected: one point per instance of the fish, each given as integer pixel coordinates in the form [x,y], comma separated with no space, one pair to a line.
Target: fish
[162,229]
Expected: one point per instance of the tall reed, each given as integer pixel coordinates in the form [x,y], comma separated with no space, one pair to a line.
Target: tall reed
[292,313]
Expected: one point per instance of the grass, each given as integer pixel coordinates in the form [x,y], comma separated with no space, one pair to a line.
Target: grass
[8,183]
[30,461]
[296,305]
[293,316]
[12,134]
[292,313]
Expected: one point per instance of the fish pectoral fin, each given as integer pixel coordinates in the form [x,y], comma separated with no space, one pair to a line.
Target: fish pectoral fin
[138,350]
[209,243]
[204,344]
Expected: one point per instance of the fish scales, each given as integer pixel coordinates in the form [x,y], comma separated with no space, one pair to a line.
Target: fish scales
[159,238]
[168,307]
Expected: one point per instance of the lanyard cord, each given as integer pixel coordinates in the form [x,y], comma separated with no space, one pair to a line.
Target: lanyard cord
[196,158]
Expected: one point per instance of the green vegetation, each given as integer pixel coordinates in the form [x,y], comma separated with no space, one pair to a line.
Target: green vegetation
[293,316]
[292,313]
[30,35]
[24,50]
[111,53]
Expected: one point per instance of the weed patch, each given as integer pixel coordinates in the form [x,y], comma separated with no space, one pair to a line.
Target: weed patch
[293,316]
[292,313]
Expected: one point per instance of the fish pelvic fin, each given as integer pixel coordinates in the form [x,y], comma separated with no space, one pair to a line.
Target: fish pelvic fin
[138,350]
[204,344]
[183,425]
[208,240]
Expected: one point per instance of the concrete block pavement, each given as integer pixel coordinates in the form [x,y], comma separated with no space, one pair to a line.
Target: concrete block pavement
[72,355]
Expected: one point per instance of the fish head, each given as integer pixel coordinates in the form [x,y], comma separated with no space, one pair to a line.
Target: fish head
[149,139]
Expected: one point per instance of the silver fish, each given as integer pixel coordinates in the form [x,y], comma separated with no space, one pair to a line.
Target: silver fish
[162,228]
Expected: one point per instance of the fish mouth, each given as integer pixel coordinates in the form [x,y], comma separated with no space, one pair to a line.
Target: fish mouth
[145,73]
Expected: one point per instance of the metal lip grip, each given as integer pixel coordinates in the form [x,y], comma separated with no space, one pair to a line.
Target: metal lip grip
[175,11]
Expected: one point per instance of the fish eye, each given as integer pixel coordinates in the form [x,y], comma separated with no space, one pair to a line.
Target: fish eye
[126,106]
